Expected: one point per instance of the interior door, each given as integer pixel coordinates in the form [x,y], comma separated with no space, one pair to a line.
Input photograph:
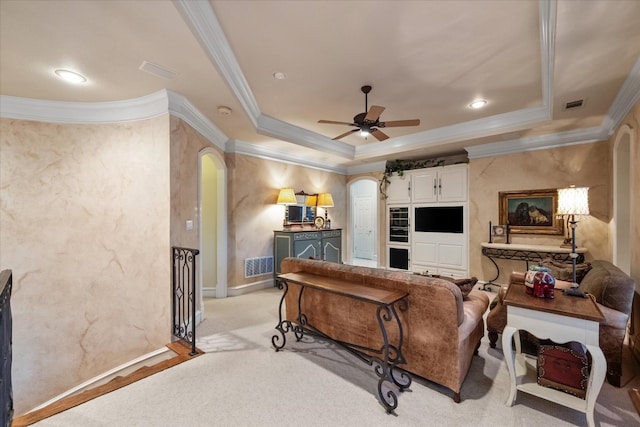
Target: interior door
[363,227]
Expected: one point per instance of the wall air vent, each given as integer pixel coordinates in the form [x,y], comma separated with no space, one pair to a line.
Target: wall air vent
[258,266]
[571,105]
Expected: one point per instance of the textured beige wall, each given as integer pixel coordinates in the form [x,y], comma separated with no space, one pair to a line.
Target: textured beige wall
[253,187]
[85,229]
[583,165]
[186,143]
[252,190]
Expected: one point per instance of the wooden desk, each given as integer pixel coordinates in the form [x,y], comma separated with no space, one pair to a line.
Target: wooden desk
[561,320]
[386,360]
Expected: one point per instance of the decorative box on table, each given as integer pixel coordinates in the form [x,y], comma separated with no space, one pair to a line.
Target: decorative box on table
[564,367]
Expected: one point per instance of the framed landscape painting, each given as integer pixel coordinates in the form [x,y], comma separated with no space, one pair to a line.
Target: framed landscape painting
[530,212]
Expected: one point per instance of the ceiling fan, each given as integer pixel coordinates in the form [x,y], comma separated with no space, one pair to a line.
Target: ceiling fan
[368,123]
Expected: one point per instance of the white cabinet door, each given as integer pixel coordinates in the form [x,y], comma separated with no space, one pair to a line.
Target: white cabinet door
[424,185]
[399,189]
[452,183]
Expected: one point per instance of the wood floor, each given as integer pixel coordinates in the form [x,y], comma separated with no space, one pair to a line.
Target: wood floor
[181,348]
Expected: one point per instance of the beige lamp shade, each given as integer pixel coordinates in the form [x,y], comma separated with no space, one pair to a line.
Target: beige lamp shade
[286,197]
[312,199]
[325,200]
[573,201]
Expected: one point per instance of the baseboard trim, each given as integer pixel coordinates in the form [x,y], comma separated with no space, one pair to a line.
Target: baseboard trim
[107,376]
[250,287]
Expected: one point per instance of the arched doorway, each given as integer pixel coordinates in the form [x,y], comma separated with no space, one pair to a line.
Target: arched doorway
[363,222]
[622,197]
[212,200]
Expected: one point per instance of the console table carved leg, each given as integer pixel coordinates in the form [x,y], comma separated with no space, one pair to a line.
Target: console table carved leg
[385,369]
[596,379]
[279,340]
[391,379]
[510,357]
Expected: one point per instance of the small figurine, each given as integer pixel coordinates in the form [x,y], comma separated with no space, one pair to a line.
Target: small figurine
[539,282]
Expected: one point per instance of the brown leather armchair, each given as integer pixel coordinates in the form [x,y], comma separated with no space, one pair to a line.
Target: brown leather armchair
[613,291]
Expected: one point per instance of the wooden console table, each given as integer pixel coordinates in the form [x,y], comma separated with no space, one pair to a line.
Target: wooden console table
[528,253]
[562,319]
[386,360]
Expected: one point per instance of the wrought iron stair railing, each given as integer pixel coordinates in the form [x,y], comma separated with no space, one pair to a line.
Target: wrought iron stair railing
[184,294]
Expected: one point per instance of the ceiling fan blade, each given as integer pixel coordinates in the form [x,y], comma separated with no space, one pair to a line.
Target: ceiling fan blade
[345,134]
[397,123]
[380,136]
[335,123]
[374,113]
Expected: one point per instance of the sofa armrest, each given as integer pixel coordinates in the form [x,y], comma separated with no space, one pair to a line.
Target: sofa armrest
[613,318]
[516,278]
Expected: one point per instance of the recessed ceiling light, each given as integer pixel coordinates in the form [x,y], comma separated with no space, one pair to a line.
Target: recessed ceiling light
[279,75]
[223,110]
[478,103]
[70,76]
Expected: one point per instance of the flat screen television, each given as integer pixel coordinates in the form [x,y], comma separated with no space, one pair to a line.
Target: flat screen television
[438,219]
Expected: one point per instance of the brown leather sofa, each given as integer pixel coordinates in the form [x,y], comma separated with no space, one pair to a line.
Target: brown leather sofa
[441,330]
[613,291]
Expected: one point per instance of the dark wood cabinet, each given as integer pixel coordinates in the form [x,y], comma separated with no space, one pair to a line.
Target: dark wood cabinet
[320,244]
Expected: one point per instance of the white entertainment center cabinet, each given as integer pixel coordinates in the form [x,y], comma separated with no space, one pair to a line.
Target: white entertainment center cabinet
[428,221]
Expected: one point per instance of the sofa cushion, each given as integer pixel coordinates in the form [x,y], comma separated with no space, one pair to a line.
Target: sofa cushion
[609,285]
[564,271]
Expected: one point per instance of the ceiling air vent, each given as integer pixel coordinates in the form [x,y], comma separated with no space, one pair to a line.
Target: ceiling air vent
[571,105]
[157,70]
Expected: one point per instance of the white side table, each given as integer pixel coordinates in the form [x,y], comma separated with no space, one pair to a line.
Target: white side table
[561,320]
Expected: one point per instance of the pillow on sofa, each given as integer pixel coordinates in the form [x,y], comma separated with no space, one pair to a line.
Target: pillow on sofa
[564,271]
[465,285]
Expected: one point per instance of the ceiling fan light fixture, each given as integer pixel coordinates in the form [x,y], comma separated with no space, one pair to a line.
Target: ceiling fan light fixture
[478,103]
[70,76]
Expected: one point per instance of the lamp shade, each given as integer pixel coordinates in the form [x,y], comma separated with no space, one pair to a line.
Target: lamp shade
[325,200]
[573,201]
[312,200]
[286,197]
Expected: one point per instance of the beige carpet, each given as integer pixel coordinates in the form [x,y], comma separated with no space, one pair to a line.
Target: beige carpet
[242,381]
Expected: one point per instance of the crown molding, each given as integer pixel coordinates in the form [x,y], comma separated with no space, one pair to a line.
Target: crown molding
[373,167]
[627,97]
[180,107]
[548,12]
[279,129]
[575,137]
[202,20]
[266,153]
[144,107]
[506,122]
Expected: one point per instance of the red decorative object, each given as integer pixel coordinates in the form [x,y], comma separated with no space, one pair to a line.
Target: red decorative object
[539,282]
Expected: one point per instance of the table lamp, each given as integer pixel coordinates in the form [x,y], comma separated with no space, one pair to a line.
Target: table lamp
[325,200]
[286,197]
[573,201]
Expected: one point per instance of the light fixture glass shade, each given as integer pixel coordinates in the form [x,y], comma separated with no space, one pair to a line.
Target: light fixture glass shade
[573,201]
[325,200]
[286,197]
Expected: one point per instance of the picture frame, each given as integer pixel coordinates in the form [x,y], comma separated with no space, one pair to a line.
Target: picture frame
[530,211]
